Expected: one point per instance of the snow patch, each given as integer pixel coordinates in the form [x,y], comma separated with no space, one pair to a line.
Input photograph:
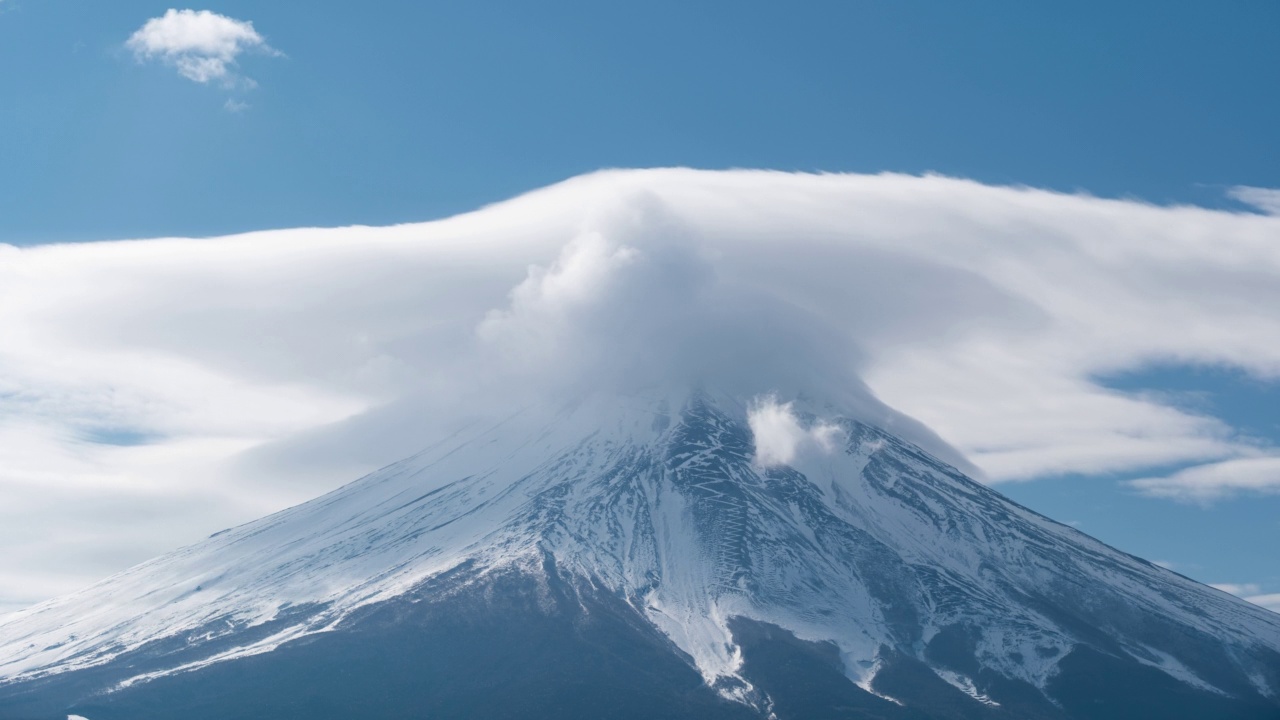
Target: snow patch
[1170,665]
[864,677]
[965,685]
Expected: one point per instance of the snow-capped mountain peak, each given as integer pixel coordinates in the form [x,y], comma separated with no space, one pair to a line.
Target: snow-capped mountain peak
[860,541]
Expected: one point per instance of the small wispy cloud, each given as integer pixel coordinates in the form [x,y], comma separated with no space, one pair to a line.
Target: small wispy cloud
[779,435]
[1266,200]
[202,45]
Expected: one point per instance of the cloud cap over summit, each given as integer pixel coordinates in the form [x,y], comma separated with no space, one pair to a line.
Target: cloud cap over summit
[222,378]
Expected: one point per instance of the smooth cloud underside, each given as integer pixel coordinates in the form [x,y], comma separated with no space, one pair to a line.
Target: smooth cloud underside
[153,391]
[202,45]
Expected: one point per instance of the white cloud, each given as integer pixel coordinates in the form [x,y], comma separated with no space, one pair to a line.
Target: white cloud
[779,436]
[1236,589]
[555,307]
[1211,481]
[202,45]
[1265,199]
[1250,593]
[1270,602]
[154,391]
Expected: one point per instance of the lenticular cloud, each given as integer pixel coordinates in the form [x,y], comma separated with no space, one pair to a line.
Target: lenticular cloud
[221,378]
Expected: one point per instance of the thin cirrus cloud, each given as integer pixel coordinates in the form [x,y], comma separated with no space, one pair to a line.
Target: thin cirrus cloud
[1266,200]
[153,391]
[202,45]
[1210,481]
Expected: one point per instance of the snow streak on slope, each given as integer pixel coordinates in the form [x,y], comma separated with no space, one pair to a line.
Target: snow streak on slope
[656,497]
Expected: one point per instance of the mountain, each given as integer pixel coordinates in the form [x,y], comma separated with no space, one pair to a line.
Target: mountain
[630,557]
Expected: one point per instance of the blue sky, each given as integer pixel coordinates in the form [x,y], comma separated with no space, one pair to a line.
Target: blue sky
[420,110]
[410,111]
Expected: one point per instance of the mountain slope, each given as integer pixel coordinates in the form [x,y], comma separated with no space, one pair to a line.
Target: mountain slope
[631,548]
